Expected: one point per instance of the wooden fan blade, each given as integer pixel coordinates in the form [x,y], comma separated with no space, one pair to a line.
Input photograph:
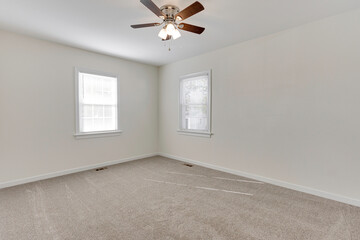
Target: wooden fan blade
[194,8]
[191,28]
[145,25]
[167,38]
[152,7]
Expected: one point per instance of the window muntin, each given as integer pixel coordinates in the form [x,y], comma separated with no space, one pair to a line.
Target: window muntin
[97,103]
[195,103]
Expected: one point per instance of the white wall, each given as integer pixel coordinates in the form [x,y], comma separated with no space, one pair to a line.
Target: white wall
[285,106]
[37,120]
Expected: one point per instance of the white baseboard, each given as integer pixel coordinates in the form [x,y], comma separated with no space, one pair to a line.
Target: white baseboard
[70,171]
[319,193]
[335,197]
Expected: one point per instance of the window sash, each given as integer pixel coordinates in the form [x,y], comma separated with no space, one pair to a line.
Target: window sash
[185,119]
[93,116]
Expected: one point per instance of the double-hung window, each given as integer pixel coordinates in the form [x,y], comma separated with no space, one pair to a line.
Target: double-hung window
[96,103]
[195,104]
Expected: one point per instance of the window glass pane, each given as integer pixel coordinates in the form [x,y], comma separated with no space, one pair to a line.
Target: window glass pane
[98,124]
[98,111]
[86,111]
[87,124]
[109,111]
[196,117]
[98,89]
[97,103]
[195,91]
[109,123]
[196,111]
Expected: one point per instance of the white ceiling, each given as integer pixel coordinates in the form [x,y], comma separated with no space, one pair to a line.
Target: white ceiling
[104,25]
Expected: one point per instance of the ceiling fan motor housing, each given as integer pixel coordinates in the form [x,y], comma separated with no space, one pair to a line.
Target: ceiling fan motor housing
[170,11]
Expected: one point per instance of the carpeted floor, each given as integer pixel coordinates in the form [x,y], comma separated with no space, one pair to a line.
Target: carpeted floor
[159,198]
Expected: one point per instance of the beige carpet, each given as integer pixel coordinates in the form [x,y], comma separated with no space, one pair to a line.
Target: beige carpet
[159,198]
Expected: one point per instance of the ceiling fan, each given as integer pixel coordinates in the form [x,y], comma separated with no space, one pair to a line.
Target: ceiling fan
[172,17]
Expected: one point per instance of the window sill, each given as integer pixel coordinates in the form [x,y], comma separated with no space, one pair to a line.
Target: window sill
[97,134]
[196,134]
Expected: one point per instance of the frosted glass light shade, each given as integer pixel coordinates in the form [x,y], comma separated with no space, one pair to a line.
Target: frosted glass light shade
[176,34]
[170,28]
[163,34]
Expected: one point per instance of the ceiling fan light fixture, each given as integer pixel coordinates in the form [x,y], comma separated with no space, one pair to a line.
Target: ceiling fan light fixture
[170,29]
[171,17]
[176,34]
[163,33]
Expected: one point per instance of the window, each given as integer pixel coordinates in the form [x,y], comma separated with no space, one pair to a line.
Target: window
[97,103]
[195,104]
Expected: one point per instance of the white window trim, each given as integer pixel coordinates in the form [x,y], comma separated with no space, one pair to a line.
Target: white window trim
[191,132]
[97,134]
[80,135]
